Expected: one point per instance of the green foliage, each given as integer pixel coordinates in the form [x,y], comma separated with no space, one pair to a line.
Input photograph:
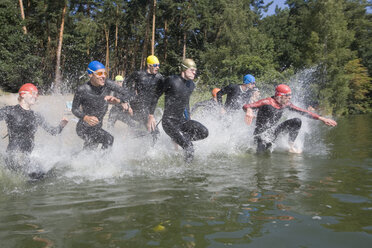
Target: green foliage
[360,86]
[226,38]
[18,63]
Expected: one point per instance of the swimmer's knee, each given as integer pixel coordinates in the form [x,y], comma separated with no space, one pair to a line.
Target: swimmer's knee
[297,122]
[205,133]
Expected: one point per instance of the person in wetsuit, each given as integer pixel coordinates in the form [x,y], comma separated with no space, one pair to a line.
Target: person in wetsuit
[143,86]
[22,124]
[176,120]
[209,105]
[121,111]
[237,94]
[90,105]
[270,110]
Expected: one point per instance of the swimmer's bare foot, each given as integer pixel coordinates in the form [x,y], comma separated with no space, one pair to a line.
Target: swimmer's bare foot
[294,149]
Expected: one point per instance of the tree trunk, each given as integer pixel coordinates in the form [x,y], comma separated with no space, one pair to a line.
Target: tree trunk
[107,47]
[58,78]
[184,45]
[145,45]
[153,29]
[116,41]
[165,39]
[23,16]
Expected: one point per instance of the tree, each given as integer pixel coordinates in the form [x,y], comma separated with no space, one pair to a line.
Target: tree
[360,86]
[18,62]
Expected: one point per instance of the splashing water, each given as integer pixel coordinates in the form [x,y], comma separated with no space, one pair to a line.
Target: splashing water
[132,155]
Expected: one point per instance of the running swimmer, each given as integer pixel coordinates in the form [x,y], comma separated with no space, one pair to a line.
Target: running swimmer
[143,86]
[176,118]
[270,110]
[209,105]
[90,105]
[237,94]
[22,124]
[122,111]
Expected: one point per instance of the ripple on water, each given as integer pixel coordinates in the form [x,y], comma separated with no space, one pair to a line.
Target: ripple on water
[351,198]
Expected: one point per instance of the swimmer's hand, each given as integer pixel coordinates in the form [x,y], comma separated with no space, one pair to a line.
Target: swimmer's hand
[112,100]
[127,107]
[248,116]
[63,122]
[91,120]
[151,123]
[328,122]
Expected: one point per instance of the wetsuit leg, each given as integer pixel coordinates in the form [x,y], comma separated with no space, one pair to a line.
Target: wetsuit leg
[173,129]
[291,126]
[195,130]
[113,117]
[184,133]
[262,145]
[93,136]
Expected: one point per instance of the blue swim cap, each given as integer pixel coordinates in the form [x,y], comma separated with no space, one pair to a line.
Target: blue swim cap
[94,65]
[248,79]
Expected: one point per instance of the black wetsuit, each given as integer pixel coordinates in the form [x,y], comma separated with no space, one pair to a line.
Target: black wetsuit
[118,113]
[268,115]
[176,120]
[22,125]
[89,100]
[236,97]
[143,87]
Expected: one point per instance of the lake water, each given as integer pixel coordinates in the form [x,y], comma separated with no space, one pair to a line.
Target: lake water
[143,196]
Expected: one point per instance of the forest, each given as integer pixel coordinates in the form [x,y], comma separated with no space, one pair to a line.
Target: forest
[50,43]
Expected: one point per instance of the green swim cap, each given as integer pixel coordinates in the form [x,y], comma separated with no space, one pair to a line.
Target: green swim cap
[188,64]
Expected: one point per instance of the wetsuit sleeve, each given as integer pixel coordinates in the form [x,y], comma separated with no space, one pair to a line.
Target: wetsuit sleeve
[3,113]
[122,91]
[76,102]
[222,92]
[160,89]
[187,110]
[158,93]
[130,84]
[303,112]
[46,126]
[257,104]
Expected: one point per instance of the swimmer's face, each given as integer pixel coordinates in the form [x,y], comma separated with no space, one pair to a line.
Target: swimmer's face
[153,69]
[30,97]
[120,83]
[283,100]
[98,77]
[189,74]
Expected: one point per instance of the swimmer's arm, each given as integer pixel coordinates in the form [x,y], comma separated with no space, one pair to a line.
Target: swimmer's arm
[328,122]
[3,113]
[49,128]
[122,90]
[76,102]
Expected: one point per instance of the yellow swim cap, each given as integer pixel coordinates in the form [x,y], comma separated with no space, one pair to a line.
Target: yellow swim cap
[187,63]
[152,60]
[119,78]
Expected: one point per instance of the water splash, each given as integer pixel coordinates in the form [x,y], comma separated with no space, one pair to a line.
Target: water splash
[133,156]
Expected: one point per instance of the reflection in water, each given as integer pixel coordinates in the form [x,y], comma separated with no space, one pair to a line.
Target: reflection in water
[139,196]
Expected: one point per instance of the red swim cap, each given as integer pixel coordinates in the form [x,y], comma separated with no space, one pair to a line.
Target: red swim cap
[27,88]
[282,90]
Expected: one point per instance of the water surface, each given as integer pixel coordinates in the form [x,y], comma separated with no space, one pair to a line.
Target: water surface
[138,196]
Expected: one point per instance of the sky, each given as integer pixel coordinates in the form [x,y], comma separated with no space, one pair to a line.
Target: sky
[280,4]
